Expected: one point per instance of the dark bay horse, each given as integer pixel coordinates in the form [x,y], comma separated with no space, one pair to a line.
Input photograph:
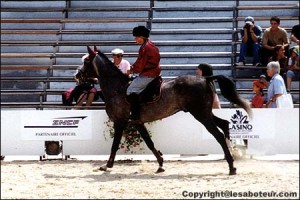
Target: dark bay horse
[187,93]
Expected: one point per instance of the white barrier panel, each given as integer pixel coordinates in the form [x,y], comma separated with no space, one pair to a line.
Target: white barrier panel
[85,132]
[11,141]
[279,136]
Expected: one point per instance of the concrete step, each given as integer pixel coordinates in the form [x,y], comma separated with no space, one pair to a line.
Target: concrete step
[191,13]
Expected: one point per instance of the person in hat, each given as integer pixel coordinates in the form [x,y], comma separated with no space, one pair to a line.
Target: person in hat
[251,42]
[205,69]
[274,35]
[146,66]
[258,98]
[293,67]
[122,64]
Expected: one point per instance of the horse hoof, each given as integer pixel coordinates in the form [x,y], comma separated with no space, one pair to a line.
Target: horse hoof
[103,168]
[109,165]
[159,170]
[232,171]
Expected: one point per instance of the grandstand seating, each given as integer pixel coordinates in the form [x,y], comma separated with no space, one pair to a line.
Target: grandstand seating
[42,42]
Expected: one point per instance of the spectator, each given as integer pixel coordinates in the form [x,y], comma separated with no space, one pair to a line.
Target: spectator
[273,36]
[251,42]
[293,68]
[121,63]
[279,55]
[277,86]
[147,66]
[295,35]
[205,69]
[258,99]
[85,89]
[263,79]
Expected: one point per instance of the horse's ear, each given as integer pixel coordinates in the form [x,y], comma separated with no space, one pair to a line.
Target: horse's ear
[95,48]
[91,52]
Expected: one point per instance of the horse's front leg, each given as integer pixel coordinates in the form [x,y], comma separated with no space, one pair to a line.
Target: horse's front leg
[118,131]
[146,137]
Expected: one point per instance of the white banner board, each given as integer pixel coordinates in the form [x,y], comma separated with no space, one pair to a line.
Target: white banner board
[55,125]
[86,132]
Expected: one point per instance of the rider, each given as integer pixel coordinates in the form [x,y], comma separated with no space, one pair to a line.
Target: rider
[146,66]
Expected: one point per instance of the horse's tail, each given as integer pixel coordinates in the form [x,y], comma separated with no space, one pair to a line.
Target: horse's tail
[228,90]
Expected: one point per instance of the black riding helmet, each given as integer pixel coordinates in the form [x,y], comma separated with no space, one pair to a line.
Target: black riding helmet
[140,31]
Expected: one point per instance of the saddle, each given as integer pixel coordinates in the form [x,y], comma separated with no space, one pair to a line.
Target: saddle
[152,92]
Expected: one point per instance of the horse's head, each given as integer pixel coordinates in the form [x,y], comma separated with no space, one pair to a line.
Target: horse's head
[96,64]
[87,69]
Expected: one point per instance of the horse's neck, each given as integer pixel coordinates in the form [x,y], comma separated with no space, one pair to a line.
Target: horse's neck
[112,86]
[112,81]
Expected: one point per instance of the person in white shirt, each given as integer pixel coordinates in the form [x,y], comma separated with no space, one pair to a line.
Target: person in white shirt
[118,60]
[277,86]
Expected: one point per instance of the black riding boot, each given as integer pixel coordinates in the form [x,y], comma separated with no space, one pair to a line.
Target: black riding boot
[135,108]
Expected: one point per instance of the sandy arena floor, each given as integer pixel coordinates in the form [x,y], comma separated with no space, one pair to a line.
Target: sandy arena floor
[183,178]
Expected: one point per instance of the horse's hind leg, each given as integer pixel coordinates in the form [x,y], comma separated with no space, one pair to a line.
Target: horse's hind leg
[146,137]
[223,125]
[212,128]
[118,131]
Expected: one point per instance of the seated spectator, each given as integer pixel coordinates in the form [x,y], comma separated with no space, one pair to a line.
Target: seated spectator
[205,69]
[293,67]
[85,89]
[295,35]
[277,86]
[251,42]
[118,60]
[273,36]
[258,99]
[279,55]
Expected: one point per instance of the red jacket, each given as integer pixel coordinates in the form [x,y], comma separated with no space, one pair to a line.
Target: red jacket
[147,63]
[257,101]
